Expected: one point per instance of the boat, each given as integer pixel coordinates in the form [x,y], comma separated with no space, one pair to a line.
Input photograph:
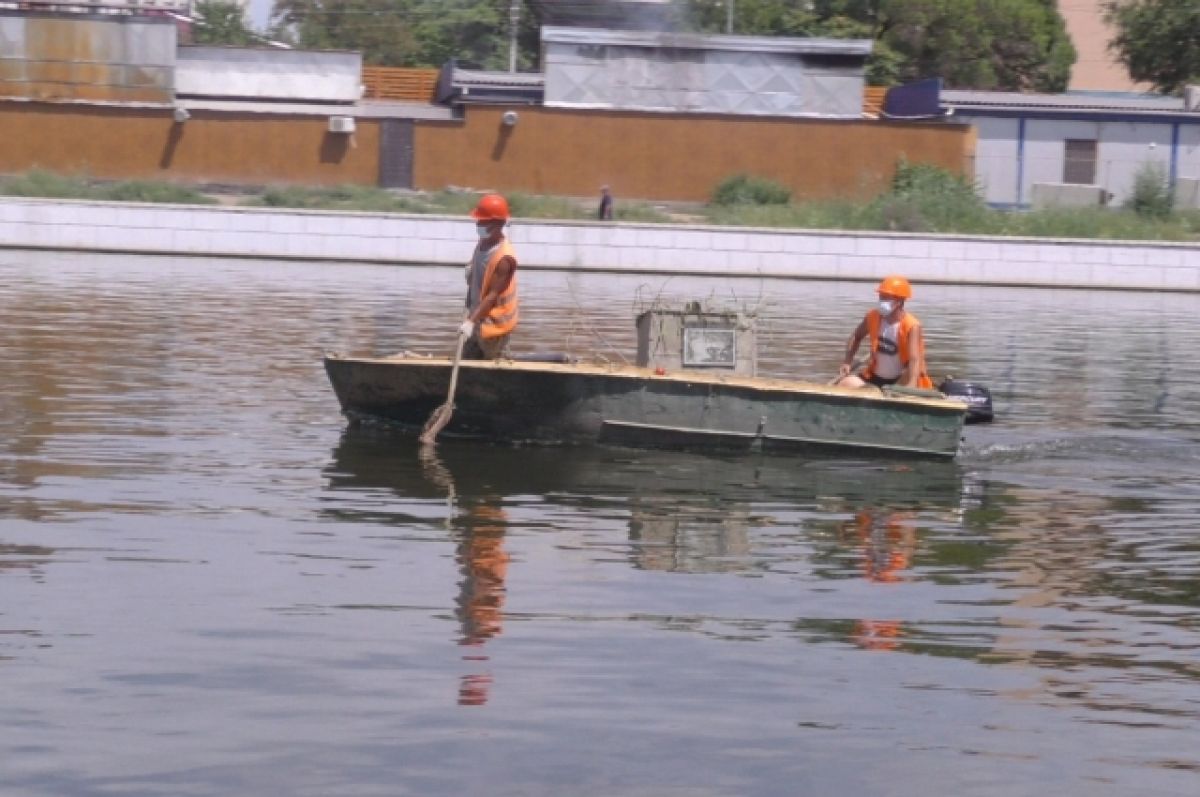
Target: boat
[694,385]
[571,403]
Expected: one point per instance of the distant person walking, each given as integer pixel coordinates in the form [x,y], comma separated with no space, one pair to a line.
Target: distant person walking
[605,212]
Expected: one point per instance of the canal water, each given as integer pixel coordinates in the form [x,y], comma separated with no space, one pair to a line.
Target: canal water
[210,586]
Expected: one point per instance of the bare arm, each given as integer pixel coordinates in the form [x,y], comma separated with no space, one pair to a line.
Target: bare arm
[852,345]
[502,277]
[916,348]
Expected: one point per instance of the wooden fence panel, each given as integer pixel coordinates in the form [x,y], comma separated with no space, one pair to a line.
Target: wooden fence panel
[396,83]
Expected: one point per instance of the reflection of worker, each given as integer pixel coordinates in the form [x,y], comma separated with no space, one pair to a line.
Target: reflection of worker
[887,543]
[491,284]
[878,634]
[484,565]
[897,342]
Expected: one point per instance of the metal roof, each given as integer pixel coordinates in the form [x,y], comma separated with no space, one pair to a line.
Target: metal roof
[367,109]
[478,77]
[1065,103]
[474,86]
[857,48]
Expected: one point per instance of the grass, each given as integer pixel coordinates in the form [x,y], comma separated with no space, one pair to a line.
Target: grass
[39,183]
[900,216]
[921,200]
[451,203]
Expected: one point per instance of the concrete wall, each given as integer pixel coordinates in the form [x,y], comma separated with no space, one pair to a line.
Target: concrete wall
[1189,152]
[1096,68]
[674,156]
[1187,193]
[592,246]
[996,160]
[130,143]
[254,73]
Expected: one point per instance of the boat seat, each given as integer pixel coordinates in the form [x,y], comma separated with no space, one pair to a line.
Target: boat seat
[544,357]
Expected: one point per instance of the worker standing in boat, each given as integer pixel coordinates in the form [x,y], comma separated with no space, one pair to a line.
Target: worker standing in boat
[491,284]
[897,342]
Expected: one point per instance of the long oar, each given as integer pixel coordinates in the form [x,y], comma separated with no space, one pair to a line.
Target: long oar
[441,416]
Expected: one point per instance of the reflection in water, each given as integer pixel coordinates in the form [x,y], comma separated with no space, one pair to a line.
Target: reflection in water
[25,558]
[187,579]
[479,524]
[888,541]
[675,538]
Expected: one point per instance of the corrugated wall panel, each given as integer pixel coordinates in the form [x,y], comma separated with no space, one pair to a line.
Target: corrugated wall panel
[676,156]
[117,143]
[548,151]
[121,59]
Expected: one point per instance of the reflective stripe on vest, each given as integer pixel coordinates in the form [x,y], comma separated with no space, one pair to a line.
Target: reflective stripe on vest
[502,318]
[906,326]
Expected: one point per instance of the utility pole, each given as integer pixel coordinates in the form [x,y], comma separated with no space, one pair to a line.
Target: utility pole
[729,16]
[514,17]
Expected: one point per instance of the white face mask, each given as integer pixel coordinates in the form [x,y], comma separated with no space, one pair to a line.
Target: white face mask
[483,231]
[886,306]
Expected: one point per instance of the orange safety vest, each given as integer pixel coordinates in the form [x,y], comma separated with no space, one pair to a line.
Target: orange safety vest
[502,318]
[874,319]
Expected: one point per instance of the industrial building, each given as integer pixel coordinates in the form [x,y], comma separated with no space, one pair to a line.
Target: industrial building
[656,115]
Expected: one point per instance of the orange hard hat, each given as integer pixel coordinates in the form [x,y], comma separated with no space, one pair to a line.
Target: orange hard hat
[491,207]
[895,285]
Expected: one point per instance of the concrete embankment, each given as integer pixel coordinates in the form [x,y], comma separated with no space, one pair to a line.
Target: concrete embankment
[592,246]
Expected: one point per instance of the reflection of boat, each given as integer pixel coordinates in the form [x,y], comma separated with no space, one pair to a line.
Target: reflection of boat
[373,458]
[685,512]
[585,403]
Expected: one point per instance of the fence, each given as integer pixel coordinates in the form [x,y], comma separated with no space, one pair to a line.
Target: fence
[396,83]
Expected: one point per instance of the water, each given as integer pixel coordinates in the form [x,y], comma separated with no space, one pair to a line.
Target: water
[208,586]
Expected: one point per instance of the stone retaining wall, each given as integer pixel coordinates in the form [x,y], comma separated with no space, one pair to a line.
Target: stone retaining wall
[592,246]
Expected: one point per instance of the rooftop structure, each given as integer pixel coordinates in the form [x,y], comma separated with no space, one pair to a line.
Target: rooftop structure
[688,72]
[1072,104]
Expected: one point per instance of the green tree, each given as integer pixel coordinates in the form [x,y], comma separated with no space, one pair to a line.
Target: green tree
[1158,41]
[1014,45]
[986,44]
[220,22]
[406,32]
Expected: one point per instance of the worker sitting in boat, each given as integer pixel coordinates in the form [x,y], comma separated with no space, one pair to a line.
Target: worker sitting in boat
[491,284]
[897,342]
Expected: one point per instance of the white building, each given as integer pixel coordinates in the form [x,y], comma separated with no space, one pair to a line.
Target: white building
[1050,144]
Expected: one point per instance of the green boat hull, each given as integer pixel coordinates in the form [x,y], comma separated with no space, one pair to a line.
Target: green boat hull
[577,403]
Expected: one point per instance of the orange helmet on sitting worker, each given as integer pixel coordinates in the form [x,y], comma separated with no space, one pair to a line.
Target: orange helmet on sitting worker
[491,207]
[895,285]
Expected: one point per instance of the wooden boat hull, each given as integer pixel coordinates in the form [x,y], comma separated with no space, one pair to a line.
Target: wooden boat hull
[577,403]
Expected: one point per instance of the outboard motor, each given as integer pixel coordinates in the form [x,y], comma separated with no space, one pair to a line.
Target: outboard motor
[977,398]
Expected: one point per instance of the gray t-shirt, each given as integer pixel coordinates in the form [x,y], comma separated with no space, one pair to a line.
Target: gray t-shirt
[479,263]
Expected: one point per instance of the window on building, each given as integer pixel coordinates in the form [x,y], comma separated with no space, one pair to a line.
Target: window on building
[1079,163]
